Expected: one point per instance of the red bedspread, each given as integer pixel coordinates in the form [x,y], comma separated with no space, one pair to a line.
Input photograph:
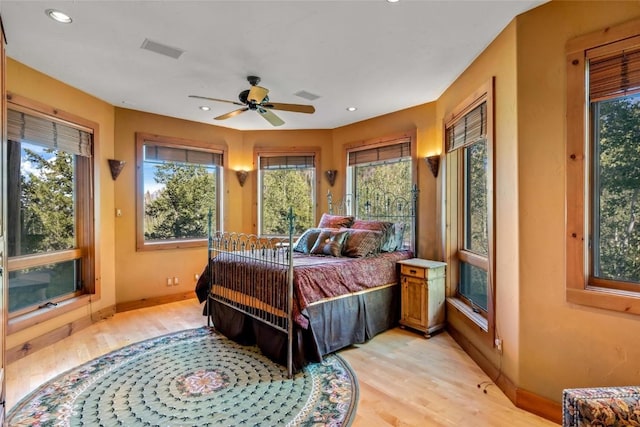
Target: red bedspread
[317,278]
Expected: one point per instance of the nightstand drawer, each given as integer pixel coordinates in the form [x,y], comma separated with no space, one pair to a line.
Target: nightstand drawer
[410,270]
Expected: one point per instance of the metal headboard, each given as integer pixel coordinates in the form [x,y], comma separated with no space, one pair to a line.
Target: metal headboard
[382,206]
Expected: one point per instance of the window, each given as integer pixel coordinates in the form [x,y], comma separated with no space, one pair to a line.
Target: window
[286,181]
[469,146]
[378,171]
[179,190]
[603,170]
[50,210]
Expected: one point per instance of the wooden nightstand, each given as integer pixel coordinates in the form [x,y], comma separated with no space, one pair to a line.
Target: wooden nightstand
[422,289]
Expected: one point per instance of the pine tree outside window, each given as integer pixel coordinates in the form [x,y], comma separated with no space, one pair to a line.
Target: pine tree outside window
[377,172]
[286,180]
[603,169]
[50,210]
[179,184]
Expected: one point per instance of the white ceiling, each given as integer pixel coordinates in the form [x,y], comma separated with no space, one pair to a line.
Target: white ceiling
[377,56]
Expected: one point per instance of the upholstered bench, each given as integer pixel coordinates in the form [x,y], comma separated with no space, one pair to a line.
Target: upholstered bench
[601,406]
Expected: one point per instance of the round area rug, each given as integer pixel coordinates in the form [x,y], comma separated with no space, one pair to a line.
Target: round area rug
[192,378]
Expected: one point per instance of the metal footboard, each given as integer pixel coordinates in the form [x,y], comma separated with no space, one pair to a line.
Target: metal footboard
[254,275]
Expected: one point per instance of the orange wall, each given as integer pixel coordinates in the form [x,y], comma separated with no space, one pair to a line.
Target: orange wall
[561,345]
[143,274]
[497,61]
[548,344]
[420,119]
[25,81]
[285,140]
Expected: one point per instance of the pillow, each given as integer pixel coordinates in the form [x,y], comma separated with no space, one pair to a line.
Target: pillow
[329,243]
[370,224]
[306,241]
[361,243]
[335,221]
[389,239]
[398,232]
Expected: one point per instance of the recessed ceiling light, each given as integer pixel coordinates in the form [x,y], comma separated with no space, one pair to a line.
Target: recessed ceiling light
[351,108]
[58,16]
[205,108]
[393,1]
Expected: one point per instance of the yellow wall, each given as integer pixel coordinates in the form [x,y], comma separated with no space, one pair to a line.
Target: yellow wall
[284,140]
[143,274]
[24,81]
[419,119]
[561,345]
[497,61]
[548,345]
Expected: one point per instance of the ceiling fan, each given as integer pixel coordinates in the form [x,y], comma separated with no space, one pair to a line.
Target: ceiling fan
[256,99]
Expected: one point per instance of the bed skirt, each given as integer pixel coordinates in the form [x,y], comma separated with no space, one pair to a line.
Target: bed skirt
[333,325]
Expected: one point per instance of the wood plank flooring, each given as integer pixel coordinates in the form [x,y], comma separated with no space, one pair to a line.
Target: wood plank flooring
[405,379]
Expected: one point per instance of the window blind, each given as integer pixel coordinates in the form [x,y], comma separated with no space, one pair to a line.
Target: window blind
[287,162]
[470,128]
[23,127]
[615,75]
[162,153]
[389,152]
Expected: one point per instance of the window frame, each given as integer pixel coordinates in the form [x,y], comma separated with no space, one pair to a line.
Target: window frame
[581,288]
[179,143]
[455,210]
[288,151]
[400,138]
[87,248]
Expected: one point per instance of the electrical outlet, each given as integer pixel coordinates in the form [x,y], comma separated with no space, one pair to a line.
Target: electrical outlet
[498,343]
[176,282]
[169,281]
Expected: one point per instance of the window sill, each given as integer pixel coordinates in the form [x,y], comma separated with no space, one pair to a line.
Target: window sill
[604,298]
[39,316]
[466,311]
[173,244]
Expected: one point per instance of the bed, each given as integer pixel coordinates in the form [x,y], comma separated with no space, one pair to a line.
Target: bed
[301,298]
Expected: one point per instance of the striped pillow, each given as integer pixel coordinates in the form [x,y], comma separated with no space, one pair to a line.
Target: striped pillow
[361,243]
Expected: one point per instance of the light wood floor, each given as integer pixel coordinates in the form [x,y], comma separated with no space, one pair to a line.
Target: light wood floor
[405,379]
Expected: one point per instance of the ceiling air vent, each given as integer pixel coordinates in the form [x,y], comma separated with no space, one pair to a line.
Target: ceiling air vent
[162,49]
[307,95]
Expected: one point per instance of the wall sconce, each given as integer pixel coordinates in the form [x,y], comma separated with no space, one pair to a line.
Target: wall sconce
[116,167]
[331,176]
[434,164]
[242,177]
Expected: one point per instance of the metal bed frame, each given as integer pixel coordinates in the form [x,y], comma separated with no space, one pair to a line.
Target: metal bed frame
[274,261]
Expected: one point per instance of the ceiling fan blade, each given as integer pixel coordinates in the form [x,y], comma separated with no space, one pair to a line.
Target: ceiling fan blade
[257,94]
[296,108]
[270,117]
[231,114]
[215,99]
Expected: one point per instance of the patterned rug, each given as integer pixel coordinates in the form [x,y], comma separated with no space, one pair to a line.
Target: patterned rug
[192,378]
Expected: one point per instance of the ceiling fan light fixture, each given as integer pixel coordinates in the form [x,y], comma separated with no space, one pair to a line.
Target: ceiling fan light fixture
[256,99]
[58,16]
